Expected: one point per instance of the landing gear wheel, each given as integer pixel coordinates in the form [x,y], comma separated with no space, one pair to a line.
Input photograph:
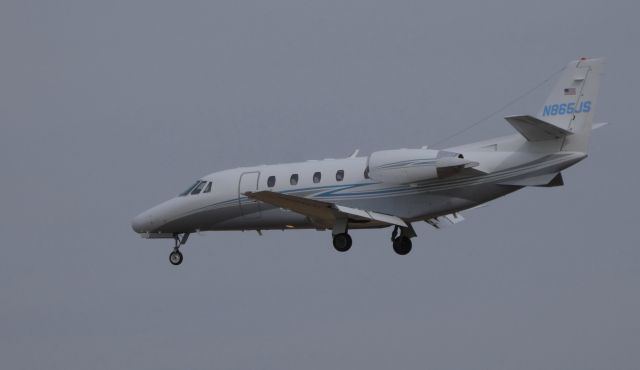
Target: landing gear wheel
[342,242]
[175,258]
[402,245]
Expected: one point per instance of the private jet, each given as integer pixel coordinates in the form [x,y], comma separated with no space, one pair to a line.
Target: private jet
[389,188]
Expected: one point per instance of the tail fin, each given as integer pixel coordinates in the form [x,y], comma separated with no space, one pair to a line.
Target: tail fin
[572,101]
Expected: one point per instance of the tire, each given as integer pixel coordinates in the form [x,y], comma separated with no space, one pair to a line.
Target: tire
[342,242]
[402,245]
[175,258]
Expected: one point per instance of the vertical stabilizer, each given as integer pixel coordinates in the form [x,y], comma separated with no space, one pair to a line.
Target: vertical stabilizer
[571,104]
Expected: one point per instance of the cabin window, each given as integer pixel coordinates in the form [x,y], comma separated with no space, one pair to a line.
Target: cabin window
[340,175]
[271,181]
[189,189]
[294,179]
[208,188]
[317,177]
[198,188]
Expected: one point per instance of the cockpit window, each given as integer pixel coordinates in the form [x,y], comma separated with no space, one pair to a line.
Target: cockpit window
[198,188]
[208,188]
[189,189]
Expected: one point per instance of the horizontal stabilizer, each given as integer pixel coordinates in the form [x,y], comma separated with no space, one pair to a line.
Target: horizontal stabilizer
[535,129]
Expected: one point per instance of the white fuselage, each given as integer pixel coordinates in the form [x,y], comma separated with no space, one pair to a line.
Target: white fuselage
[343,181]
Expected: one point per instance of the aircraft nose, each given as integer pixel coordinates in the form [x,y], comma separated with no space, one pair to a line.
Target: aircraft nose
[142,223]
[156,218]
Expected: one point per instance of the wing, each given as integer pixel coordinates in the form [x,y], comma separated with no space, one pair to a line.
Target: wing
[324,212]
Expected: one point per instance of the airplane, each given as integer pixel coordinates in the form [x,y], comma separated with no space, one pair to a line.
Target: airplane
[389,188]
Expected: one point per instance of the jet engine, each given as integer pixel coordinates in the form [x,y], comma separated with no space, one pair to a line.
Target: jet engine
[406,166]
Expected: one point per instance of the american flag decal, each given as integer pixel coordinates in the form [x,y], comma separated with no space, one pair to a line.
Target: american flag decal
[570,91]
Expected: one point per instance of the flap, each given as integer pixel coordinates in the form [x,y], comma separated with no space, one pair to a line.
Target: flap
[373,216]
[451,219]
[535,129]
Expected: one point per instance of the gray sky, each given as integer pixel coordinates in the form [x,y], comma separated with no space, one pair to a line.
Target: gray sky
[109,107]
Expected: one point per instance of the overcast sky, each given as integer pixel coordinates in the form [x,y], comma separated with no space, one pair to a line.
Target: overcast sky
[110,107]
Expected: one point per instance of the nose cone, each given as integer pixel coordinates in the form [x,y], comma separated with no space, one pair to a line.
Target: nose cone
[155,220]
[142,223]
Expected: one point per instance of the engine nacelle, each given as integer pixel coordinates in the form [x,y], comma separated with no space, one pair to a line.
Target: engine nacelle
[406,166]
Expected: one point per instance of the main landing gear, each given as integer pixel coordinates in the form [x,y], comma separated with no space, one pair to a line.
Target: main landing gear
[175,257]
[342,242]
[341,239]
[402,244]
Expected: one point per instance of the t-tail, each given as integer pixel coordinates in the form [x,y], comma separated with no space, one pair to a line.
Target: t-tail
[567,114]
[571,104]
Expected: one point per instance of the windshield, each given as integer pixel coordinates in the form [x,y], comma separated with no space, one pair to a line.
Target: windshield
[190,188]
[198,188]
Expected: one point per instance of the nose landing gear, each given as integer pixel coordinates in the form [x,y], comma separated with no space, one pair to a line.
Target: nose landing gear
[175,257]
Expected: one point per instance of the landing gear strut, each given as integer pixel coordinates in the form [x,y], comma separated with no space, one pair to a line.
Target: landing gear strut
[175,257]
[402,244]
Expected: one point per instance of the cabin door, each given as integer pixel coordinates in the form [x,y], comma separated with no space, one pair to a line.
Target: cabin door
[248,182]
